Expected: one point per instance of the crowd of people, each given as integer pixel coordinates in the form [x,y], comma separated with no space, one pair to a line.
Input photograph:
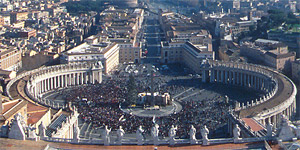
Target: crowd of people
[100,105]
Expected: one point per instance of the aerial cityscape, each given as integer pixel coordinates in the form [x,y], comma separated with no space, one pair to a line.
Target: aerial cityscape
[150,74]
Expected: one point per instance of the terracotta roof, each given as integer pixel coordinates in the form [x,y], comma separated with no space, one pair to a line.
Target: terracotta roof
[252,124]
[9,105]
[33,118]
[35,113]
[12,109]
[33,108]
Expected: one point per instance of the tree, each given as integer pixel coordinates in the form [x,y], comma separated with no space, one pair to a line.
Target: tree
[131,91]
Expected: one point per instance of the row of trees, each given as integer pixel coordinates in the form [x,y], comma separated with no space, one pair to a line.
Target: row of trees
[84,6]
[132,93]
[275,19]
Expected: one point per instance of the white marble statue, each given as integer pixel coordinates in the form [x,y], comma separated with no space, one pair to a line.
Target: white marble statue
[154,132]
[269,130]
[42,130]
[4,130]
[17,130]
[139,135]
[76,133]
[106,135]
[193,139]
[226,99]
[287,130]
[298,132]
[31,132]
[204,134]
[236,132]
[172,134]
[120,134]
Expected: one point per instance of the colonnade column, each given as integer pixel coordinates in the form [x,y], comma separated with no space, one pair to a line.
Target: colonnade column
[81,78]
[38,88]
[203,76]
[255,82]
[100,76]
[218,75]
[77,78]
[252,82]
[63,81]
[55,82]
[212,76]
[245,79]
[66,80]
[59,81]
[42,86]
[230,77]
[73,79]
[234,78]
[48,84]
[84,78]
[275,120]
[93,77]
[237,78]
[260,84]
[226,76]
[70,79]
[51,83]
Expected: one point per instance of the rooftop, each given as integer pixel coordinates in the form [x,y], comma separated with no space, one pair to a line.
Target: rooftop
[278,56]
[285,90]
[267,41]
[15,145]
[87,48]
[10,108]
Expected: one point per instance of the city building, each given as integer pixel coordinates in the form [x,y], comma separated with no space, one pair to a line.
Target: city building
[107,53]
[186,53]
[242,26]
[292,39]
[129,52]
[18,16]
[296,70]
[10,58]
[27,33]
[271,53]
[122,26]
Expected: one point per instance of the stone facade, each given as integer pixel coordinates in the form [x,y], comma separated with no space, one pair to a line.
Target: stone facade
[296,70]
[271,105]
[107,53]
[186,53]
[10,58]
[270,53]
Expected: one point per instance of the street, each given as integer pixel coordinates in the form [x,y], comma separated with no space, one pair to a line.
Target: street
[152,35]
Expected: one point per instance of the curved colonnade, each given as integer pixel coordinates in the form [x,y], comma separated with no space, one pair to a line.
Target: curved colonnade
[44,80]
[279,91]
